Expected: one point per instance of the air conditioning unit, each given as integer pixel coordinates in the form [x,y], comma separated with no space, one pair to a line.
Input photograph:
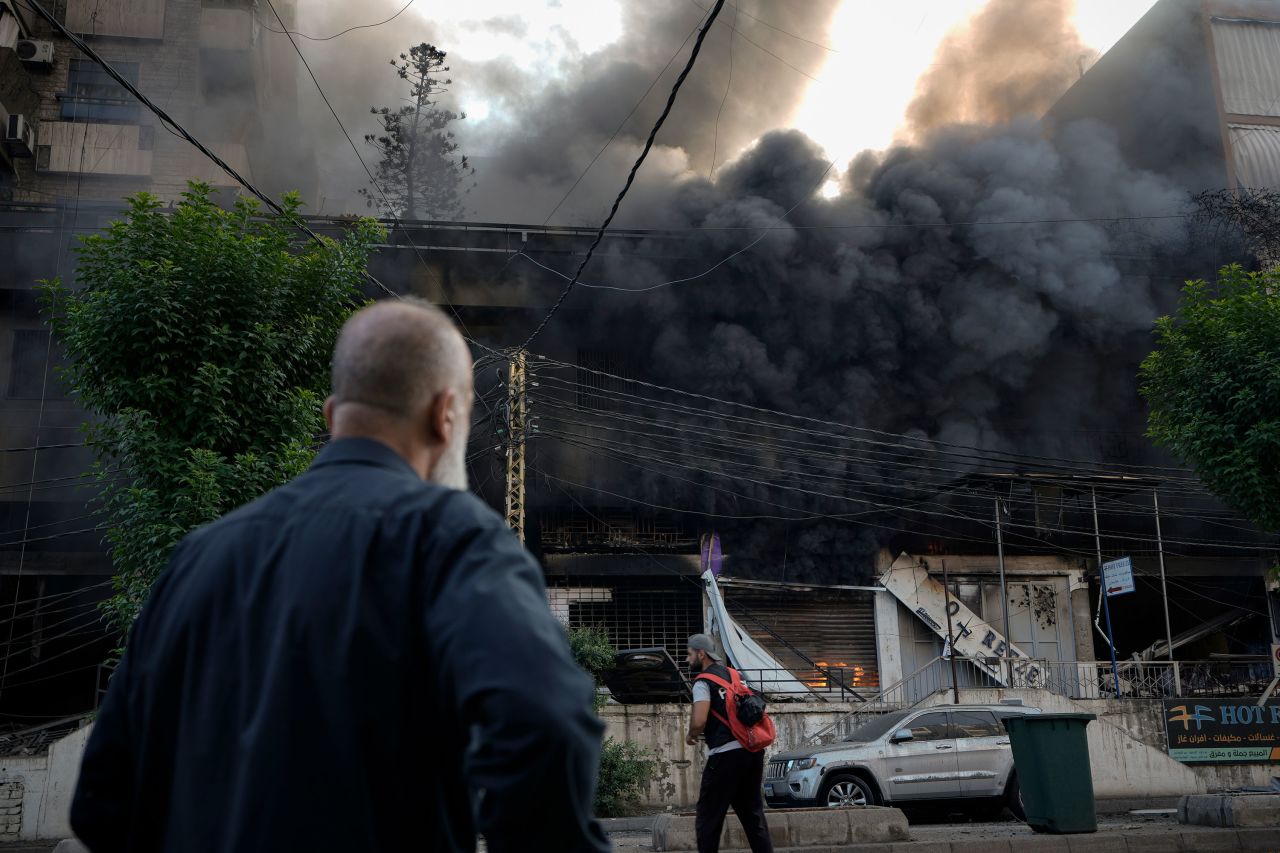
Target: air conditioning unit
[19,136]
[35,52]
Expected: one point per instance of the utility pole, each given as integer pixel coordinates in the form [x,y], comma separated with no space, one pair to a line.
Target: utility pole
[951,637]
[517,419]
[1004,592]
[1106,599]
[1164,591]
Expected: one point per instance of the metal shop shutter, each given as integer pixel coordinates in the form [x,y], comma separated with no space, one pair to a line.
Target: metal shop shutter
[834,629]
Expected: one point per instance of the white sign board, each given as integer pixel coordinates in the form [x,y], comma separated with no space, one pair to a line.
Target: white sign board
[974,639]
[1117,576]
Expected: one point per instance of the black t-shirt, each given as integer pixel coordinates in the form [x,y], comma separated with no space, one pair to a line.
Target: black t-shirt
[716,732]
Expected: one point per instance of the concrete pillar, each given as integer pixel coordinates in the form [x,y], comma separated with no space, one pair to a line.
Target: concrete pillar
[1081,617]
[888,633]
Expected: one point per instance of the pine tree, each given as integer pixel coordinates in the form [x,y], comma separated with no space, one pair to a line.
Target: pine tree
[420,174]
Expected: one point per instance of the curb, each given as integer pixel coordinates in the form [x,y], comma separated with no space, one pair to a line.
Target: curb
[628,824]
[1210,841]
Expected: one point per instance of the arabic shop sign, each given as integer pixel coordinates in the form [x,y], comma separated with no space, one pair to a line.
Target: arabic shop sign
[1222,731]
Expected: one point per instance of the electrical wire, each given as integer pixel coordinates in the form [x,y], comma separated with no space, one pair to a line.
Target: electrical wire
[53,536]
[761,47]
[673,456]
[930,443]
[617,130]
[170,124]
[372,180]
[288,32]
[648,145]
[715,144]
[775,445]
[874,456]
[765,23]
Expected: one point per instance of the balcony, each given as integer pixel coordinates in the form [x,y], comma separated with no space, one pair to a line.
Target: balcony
[139,19]
[94,149]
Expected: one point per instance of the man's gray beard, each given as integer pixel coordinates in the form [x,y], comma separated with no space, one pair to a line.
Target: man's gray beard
[451,469]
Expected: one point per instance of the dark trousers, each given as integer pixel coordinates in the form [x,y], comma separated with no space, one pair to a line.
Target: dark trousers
[732,778]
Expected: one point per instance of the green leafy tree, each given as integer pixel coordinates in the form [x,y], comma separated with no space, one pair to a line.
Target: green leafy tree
[419,174]
[625,767]
[1213,387]
[199,340]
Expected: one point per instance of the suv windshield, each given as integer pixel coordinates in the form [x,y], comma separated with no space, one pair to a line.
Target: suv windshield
[878,727]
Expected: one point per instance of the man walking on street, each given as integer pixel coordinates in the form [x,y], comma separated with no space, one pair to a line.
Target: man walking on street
[733,775]
[360,660]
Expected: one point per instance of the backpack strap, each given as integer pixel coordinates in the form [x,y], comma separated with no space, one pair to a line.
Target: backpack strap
[715,679]
[706,676]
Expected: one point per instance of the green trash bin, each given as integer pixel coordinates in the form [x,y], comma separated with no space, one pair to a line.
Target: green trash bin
[1051,758]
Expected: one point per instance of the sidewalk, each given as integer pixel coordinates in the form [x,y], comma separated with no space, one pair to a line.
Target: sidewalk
[1116,834]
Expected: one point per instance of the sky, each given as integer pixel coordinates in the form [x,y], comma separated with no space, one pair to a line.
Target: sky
[509,54]
[888,45]
[892,45]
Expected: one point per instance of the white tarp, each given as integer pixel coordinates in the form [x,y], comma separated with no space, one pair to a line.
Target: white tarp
[975,639]
[1248,55]
[759,668]
[1256,152]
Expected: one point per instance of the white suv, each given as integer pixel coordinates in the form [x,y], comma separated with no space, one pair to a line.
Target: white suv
[947,752]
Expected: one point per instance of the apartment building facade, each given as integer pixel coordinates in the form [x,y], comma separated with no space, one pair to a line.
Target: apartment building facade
[74,144]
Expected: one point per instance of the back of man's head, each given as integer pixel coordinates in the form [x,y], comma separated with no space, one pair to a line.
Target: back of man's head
[396,356]
[402,374]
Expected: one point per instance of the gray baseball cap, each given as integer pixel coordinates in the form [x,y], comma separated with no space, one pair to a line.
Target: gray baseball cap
[705,643]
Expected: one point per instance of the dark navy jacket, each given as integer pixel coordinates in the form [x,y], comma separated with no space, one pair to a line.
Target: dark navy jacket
[357,661]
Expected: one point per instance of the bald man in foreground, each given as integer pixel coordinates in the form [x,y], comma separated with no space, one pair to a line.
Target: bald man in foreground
[361,660]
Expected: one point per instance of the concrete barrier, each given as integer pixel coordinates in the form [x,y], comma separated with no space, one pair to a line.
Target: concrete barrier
[794,828]
[1230,810]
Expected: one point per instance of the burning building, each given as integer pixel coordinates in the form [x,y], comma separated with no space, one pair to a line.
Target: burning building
[948,341]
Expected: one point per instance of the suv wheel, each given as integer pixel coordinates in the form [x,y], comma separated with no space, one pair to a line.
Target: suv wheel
[844,789]
[1013,793]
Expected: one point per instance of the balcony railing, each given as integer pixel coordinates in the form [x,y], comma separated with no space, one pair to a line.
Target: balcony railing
[1082,680]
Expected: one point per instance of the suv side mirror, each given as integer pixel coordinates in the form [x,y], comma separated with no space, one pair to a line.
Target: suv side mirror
[902,735]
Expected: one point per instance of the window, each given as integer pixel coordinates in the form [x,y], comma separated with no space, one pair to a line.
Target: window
[929,727]
[93,96]
[976,724]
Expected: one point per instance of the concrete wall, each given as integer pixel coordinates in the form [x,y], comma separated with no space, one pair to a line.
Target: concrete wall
[661,730]
[37,789]
[1127,750]
[27,773]
[60,784]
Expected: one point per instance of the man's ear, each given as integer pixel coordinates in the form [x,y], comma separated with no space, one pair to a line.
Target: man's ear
[329,405]
[442,417]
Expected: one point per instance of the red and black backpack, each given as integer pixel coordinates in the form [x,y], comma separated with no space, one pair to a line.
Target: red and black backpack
[748,721]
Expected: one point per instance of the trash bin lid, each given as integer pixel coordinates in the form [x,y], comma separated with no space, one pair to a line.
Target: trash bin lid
[1019,719]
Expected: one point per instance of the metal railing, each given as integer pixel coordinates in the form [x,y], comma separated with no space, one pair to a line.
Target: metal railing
[907,693]
[36,739]
[1157,679]
[1098,679]
[830,684]
[1147,680]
